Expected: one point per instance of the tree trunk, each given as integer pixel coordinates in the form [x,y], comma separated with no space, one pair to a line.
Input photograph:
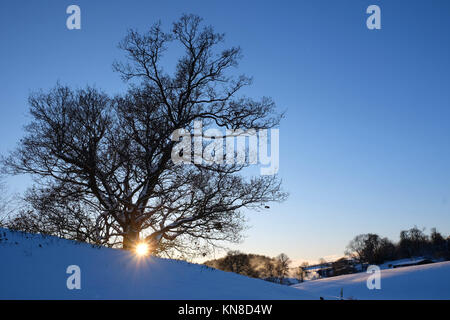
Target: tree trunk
[130,240]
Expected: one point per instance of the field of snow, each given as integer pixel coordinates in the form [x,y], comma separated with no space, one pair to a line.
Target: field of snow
[430,281]
[34,267]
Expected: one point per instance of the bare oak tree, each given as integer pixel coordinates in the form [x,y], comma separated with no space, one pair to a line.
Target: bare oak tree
[108,159]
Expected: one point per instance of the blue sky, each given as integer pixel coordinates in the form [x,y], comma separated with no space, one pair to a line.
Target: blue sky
[365,143]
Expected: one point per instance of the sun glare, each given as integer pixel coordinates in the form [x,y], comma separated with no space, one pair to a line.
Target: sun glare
[142,249]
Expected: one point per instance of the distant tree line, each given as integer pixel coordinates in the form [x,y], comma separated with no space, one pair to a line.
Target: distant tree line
[254,266]
[364,249]
[370,248]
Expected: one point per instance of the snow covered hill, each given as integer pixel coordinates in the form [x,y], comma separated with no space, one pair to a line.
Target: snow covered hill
[430,281]
[34,267]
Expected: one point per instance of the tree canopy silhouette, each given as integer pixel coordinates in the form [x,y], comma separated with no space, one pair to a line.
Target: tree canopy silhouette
[103,165]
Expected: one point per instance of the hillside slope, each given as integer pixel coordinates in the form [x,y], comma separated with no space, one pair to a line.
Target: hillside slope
[34,267]
[431,281]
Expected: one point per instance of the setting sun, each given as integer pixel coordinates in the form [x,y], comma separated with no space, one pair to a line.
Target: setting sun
[142,249]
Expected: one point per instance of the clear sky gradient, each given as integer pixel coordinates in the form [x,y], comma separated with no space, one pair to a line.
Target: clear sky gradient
[365,143]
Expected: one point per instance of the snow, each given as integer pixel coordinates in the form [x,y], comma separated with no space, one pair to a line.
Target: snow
[403,262]
[430,281]
[34,267]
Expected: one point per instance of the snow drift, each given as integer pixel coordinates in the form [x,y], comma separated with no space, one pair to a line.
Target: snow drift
[34,267]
